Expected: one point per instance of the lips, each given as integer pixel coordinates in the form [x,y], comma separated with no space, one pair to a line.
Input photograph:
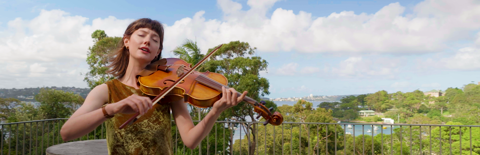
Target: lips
[145,49]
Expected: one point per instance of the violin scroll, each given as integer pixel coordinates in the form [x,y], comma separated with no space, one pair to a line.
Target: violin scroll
[275,119]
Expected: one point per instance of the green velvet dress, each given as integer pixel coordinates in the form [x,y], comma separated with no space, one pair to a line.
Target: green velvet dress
[150,134]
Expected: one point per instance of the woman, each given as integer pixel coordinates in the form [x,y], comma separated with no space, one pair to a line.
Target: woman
[117,100]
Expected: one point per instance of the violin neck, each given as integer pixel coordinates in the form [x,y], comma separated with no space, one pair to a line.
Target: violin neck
[218,86]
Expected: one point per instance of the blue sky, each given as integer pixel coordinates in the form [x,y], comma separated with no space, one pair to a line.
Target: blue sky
[322,47]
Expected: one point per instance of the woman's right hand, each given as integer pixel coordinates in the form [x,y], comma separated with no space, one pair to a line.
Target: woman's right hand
[131,104]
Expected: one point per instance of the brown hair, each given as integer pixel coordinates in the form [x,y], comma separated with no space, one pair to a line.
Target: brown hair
[118,60]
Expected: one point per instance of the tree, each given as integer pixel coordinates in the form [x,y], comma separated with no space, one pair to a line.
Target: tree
[7,106]
[57,103]
[413,100]
[236,61]
[378,100]
[189,52]
[26,112]
[450,93]
[450,136]
[305,138]
[97,58]
[440,103]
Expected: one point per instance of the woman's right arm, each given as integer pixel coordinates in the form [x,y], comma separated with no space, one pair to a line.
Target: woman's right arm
[89,116]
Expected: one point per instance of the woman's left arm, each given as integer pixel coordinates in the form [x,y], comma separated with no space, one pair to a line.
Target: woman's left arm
[192,135]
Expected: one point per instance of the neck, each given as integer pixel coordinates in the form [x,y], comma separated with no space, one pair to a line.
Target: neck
[133,69]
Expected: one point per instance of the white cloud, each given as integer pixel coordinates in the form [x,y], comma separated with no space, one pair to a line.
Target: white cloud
[430,26]
[50,49]
[358,67]
[291,69]
[288,69]
[467,58]
[37,68]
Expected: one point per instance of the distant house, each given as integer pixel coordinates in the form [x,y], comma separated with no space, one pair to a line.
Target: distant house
[365,113]
[388,121]
[433,94]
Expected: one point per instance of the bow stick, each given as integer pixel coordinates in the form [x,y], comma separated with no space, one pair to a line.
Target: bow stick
[166,91]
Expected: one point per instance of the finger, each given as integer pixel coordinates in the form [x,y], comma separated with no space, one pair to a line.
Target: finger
[240,99]
[133,105]
[224,93]
[234,96]
[229,97]
[147,103]
[139,104]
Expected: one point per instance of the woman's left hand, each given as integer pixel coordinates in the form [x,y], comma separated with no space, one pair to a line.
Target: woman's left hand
[229,99]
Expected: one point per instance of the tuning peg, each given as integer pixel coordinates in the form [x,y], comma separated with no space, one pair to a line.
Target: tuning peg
[266,122]
[270,109]
[258,116]
[263,102]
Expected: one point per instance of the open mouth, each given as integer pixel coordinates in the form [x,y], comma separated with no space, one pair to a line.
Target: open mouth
[145,49]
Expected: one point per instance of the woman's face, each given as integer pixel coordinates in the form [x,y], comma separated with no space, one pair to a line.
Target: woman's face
[143,44]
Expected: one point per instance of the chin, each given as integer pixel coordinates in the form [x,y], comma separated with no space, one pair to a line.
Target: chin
[143,58]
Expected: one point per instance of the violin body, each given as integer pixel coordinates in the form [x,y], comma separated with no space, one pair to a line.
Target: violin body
[171,79]
[190,89]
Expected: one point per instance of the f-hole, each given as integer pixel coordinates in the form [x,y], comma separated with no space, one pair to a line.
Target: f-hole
[173,81]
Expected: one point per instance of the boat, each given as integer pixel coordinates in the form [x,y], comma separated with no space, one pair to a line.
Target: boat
[349,126]
[369,130]
[348,133]
[375,127]
[384,127]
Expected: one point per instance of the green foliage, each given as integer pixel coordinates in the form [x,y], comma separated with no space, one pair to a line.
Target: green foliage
[7,106]
[421,119]
[189,52]
[434,114]
[236,61]
[378,101]
[446,136]
[372,119]
[57,103]
[347,109]
[304,139]
[98,35]
[97,58]
[423,109]
[26,112]
[450,93]
[363,145]
[221,132]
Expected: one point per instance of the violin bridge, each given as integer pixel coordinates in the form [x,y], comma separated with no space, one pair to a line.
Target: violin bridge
[180,70]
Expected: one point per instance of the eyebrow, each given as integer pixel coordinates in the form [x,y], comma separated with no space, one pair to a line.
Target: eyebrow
[153,33]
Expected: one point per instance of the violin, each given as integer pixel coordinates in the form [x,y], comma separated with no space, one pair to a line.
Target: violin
[175,78]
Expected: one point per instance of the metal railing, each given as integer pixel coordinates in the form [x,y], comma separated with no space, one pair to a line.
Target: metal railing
[232,137]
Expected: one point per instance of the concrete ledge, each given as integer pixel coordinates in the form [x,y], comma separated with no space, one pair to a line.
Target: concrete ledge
[89,147]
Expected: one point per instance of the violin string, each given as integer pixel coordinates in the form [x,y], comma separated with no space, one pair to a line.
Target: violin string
[218,86]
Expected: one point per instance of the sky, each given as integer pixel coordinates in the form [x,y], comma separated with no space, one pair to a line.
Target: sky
[318,47]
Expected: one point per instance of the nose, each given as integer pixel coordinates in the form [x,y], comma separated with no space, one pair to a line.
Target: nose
[146,41]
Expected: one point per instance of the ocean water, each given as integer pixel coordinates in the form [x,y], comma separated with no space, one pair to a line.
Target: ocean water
[291,103]
[354,128]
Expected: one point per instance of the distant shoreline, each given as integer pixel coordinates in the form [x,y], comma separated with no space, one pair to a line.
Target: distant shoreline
[364,122]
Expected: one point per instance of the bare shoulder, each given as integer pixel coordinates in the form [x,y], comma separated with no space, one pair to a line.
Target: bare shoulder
[95,100]
[99,93]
